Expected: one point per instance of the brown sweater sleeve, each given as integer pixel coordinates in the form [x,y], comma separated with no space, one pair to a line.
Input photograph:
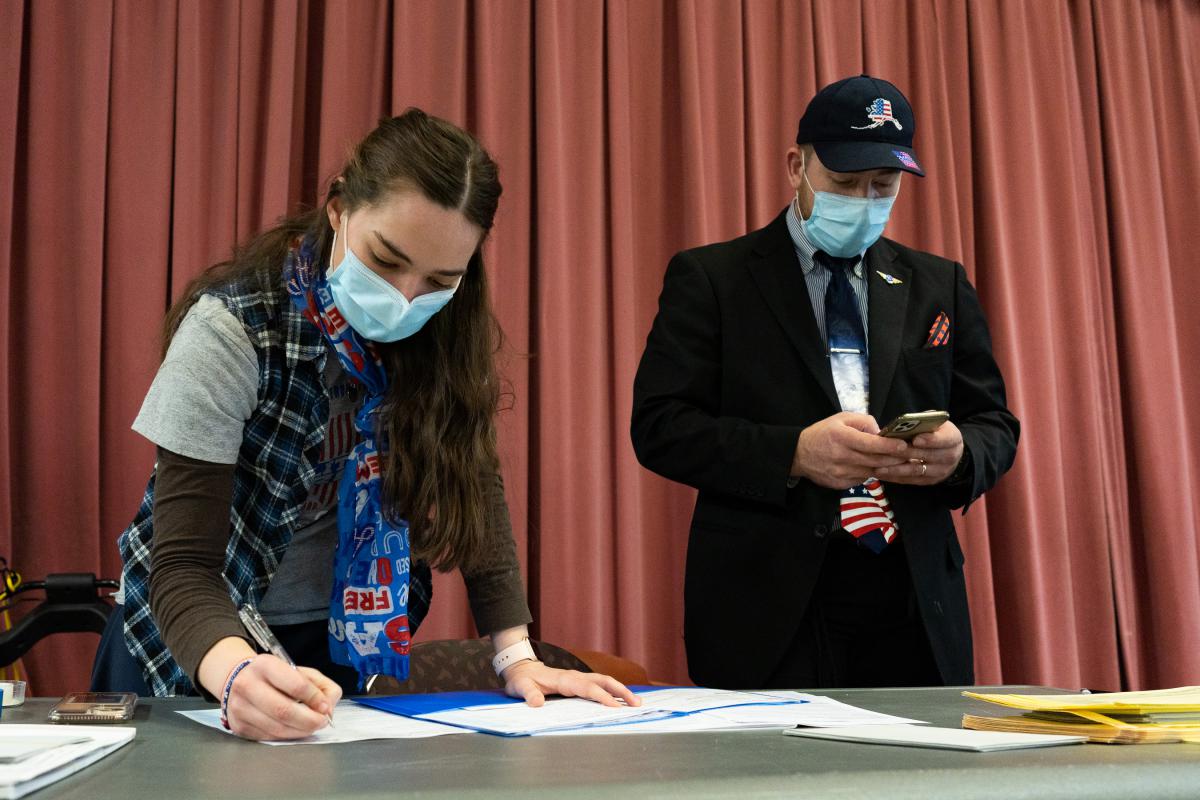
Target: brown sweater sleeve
[494,587]
[188,596]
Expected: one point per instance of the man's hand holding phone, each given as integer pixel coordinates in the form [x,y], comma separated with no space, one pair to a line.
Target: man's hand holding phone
[931,459]
[845,449]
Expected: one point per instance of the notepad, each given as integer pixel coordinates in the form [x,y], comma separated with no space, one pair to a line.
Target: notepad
[940,738]
[69,748]
[12,751]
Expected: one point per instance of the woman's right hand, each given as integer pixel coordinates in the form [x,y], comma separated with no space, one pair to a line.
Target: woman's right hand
[268,699]
[271,700]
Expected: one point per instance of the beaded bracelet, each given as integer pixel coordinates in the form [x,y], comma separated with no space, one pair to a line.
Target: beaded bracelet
[228,688]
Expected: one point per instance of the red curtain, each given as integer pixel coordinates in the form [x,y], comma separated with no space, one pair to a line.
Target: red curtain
[140,140]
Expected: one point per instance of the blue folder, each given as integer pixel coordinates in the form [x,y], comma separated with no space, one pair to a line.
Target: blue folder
[416,705]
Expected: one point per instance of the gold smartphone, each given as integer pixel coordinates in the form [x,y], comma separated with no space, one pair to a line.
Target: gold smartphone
[906,426]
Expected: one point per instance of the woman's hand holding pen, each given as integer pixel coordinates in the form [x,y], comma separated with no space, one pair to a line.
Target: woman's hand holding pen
[272,700]
[269,699]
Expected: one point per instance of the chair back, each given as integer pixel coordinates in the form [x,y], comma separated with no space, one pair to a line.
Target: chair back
[460,665]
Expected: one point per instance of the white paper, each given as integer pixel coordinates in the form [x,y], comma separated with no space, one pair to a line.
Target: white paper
[689,699]
[519,719]
[726,711]
[944,738]
[30,774]
[13,751]
[351,723]
[661,710]
[688,723]
[815,711]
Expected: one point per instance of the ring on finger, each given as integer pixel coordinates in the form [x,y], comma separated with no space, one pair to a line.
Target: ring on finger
[924,468]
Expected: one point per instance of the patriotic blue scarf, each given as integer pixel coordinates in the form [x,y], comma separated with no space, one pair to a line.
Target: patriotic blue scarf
[368,610]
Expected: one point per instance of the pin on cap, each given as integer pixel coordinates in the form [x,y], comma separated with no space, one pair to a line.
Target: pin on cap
[861,123]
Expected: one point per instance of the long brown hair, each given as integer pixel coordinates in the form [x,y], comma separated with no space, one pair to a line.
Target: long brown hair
[439,412]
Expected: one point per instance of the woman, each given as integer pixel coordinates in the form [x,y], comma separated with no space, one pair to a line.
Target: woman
[325,435]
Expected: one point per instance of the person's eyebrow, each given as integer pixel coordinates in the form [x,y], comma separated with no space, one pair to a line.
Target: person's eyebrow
[398,253]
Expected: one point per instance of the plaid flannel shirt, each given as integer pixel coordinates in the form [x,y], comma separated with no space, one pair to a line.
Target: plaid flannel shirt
[276,465]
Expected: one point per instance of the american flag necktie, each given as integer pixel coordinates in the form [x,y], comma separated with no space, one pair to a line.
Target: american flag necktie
[864,510]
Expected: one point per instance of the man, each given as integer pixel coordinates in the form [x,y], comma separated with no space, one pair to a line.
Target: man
[821,553]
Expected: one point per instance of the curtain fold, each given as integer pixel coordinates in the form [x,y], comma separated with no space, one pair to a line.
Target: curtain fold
[1033,233]
[1146,65]
[141,142]
[53,308]
[572,302]
[136,253]
[13,50]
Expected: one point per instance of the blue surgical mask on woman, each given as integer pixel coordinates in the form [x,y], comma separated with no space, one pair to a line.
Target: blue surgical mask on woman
[845,226]
[373,307]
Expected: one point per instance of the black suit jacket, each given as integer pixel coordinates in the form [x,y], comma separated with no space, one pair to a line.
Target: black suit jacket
[735,368]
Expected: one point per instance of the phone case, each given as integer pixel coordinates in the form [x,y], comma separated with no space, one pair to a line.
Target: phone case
[94,707]
[906,426]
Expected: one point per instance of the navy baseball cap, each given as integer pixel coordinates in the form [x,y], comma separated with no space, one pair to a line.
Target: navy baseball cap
[861,123]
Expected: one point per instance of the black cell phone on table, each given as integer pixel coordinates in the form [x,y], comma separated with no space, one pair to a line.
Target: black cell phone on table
[906,426]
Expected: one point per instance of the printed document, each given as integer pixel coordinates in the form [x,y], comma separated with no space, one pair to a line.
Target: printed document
[68,749]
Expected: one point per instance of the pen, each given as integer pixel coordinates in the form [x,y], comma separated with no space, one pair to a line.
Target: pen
[257,627]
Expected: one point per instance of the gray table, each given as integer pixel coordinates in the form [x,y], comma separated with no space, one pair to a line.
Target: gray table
[174,757]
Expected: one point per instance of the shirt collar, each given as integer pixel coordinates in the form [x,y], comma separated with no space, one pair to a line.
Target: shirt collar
[805,248]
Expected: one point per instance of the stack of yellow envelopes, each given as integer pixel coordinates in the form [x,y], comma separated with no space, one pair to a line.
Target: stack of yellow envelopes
[1161,715]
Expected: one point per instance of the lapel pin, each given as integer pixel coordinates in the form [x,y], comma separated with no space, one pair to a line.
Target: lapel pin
[892,280]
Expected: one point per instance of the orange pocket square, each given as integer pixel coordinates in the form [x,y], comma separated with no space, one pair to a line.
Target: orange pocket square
[939,332]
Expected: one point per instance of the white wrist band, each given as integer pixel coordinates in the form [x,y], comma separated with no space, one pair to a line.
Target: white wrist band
[517,651]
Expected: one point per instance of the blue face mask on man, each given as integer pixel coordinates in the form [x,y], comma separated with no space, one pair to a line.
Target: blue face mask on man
[845,226]
[373,307]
